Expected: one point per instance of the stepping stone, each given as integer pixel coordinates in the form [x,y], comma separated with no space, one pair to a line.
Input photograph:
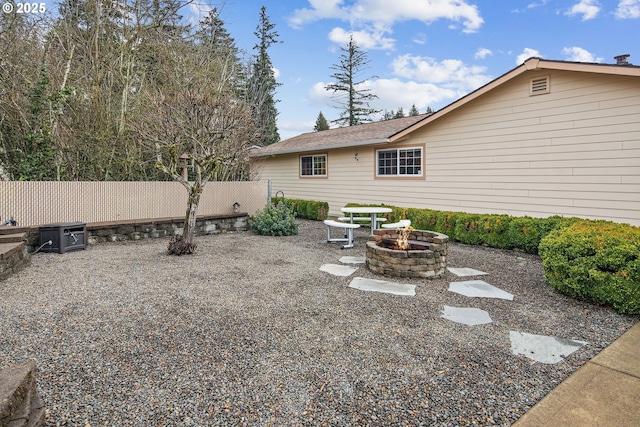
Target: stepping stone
[479,288]
[353,260]
[542,348]
[338,270]
[374,285]
[465,271]
[466,315]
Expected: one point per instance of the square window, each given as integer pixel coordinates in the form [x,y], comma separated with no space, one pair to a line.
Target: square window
[400,162]
[315,165]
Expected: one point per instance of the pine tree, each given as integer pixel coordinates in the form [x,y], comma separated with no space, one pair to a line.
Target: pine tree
[321,123]
[262,86]
[354,102]
[414,111]
[399,114]
[212,34]
[388,115]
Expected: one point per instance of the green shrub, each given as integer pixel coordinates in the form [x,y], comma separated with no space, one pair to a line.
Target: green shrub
[467,228]
[308,209]
[524,233]
[421,219]
[446,223]
[397,214]
[495,231]
[278,220]
[595,261]
[320,211]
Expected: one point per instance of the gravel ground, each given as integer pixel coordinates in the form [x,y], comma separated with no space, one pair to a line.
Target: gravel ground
[249,331]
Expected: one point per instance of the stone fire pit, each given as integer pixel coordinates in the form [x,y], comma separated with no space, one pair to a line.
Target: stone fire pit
[426,256]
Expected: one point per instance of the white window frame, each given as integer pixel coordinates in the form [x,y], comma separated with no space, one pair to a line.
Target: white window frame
[314,158]
[398,166]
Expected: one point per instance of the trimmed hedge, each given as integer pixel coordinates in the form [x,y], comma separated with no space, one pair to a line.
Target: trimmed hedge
[309,209]
[595,261]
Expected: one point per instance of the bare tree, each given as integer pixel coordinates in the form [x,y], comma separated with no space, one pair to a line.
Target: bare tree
[196,118]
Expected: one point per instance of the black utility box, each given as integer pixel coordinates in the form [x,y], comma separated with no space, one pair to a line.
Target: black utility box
[65,237]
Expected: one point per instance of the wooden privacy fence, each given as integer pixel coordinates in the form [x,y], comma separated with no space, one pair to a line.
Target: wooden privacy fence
[46,202]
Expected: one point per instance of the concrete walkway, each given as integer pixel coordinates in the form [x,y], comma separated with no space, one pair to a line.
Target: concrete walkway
[603,392]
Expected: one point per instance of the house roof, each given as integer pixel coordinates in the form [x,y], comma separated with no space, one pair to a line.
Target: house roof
[350,136]
[396,129]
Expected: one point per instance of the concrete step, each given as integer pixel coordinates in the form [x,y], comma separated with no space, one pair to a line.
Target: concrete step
[7,229]
[11,238]
[8,249]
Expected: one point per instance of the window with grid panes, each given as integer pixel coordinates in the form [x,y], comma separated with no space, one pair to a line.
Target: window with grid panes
[399,162]
[315,165]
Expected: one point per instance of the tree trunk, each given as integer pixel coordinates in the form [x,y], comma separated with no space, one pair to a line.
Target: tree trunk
[185,244]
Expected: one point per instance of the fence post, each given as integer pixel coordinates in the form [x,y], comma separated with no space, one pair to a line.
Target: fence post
[269,192]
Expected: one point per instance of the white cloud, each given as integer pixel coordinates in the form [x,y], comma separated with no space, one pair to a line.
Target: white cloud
[450,73]
[420,39]
[482,53]
[395,93]
[318,95]
[579,54]
[628,9]
[364,39]
[382,14]
[526,54]
[289,129]
[589,9]
[320,9]
[197,11]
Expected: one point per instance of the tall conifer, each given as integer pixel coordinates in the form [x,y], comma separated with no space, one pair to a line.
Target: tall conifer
[263,81]
[347,89]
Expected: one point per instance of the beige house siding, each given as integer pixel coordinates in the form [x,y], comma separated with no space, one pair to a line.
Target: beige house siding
[574,151]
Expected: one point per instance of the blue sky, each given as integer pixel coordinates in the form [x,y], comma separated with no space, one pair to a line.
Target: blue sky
[423,52]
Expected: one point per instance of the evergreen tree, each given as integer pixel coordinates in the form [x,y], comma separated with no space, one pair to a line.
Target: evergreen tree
[399,114]
[429,110]
[321,123]
[353,101]
[262,85]
[388,115]
[414,111]
[214,36]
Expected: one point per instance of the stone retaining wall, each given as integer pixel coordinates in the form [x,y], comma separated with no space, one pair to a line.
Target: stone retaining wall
[20,403]
[14,260]
[429,263]
[115,231]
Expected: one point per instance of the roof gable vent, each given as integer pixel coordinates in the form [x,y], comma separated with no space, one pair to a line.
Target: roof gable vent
[539,85]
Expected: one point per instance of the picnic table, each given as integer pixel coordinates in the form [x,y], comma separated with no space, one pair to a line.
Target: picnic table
[372,211]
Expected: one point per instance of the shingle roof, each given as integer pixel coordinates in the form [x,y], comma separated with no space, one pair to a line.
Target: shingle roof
[350,136]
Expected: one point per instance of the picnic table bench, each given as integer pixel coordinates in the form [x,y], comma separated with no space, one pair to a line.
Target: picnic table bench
[348,232]
[403,223]
[372,211]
